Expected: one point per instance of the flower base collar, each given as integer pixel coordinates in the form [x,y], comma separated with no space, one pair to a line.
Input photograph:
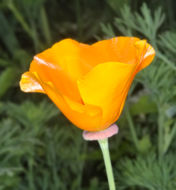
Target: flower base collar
[100,135]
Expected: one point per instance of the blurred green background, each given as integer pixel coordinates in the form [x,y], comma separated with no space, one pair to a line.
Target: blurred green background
[39,148]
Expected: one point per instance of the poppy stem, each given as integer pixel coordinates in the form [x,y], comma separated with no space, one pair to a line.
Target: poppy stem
[107,160]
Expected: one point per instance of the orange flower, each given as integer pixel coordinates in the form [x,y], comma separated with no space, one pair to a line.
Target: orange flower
[88,83]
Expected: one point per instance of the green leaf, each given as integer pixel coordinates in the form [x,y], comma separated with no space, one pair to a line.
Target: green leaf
[7,35]
[32,114]
[4,62]
[144,105]
[7,78]
[148,173]
[116,5]
[144,144]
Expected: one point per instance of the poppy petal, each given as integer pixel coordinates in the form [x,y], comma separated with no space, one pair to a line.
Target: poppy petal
[30,83]
[104,86]
[49,72]
[148,57]
[86,117]
[118,49]
[67,55]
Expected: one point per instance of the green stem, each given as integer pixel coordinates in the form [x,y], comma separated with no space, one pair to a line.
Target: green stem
[30,30]
[132,129]
[107,160]
[45,25]
[30,173]
[20,18]
[160,134]
[36,41]
[169,139]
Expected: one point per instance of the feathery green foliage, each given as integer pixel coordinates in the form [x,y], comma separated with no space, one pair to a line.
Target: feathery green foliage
[147,172]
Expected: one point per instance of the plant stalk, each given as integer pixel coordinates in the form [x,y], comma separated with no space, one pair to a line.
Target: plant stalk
[45,25]
[107,160]
[132,129]
[20,18]
[160,134]
[170,138]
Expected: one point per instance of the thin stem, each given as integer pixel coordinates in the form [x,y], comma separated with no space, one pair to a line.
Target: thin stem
[30,173]
[20,18]
[45,25]
[169,139]
[160,134]
[107,160]
[132,129]
[36,42]
[30,30]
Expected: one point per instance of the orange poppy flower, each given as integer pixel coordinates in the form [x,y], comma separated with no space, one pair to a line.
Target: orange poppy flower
[88,83]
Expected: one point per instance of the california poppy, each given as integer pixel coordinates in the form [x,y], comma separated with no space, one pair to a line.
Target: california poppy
[88,83]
